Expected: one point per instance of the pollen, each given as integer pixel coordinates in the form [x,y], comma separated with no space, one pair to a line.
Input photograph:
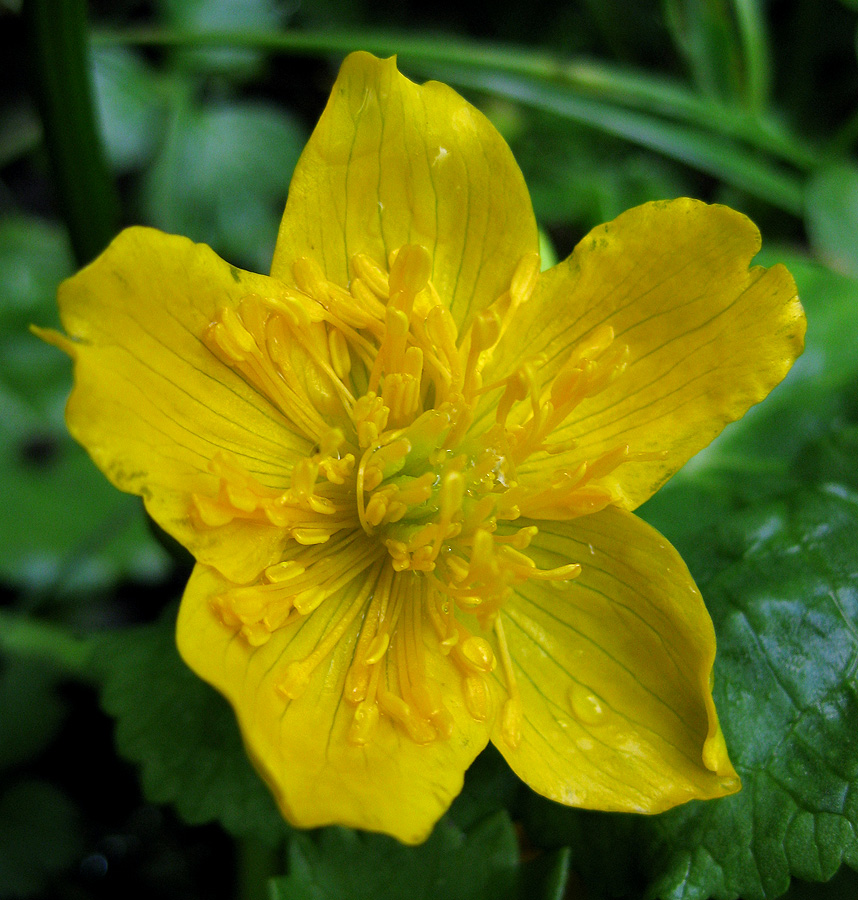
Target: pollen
[409,502]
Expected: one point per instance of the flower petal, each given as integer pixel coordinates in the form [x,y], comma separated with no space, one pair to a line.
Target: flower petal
[614,673]
[707,337]
[393,163]
[153,405]
[300,747]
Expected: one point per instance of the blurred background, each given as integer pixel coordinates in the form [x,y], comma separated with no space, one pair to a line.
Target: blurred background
[189,115]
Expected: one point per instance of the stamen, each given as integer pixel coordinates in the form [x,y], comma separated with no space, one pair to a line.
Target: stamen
[511,714]
[408,486]
[440,328]
[373,276]
[484,333]
[297,675]
[409,274]
[291,589]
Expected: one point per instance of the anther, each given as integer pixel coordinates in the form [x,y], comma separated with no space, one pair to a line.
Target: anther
[310,278]
[477,654]
[524,278]
[476,697]
[409,274]
[295,681]
[377,648]
[363,724]
[338,348]
[230,335]
[371,274]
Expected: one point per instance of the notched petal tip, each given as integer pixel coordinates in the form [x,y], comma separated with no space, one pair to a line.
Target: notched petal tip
[391,163]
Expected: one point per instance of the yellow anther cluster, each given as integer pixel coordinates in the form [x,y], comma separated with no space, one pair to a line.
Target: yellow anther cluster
[397,483]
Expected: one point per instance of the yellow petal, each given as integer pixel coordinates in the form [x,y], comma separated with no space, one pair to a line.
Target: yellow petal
[153,405]
[301,747]
[614,673]
[393,163]
[707,337]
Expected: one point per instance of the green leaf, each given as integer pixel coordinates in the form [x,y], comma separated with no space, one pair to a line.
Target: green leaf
[40,836]
[27,685]
[576,175]
[785,613]
[779,578]
[222,178]
[698,147]
[832,215]
[705,33]
[53,539]
[182,733]
[784,600]
[131,109]
[36,256]
[604,847]
[207,15]
[844,886]
[726,48]
[778,573]
[490,786]
[547,876]
[340,864]
[447,58]
[832,458]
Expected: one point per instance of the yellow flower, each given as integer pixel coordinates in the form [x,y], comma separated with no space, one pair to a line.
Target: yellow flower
[405,464]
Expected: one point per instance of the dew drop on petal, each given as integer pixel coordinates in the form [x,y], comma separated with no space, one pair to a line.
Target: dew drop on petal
[586,706]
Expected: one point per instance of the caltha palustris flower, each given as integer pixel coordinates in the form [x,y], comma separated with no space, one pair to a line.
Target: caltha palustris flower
[405,463]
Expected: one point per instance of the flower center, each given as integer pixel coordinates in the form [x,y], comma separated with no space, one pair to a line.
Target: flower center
[408,498]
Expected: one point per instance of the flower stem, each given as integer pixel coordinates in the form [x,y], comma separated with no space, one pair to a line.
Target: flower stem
[57,35]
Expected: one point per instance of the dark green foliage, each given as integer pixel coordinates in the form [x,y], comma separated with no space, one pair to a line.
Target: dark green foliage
[606,104]
[182,733]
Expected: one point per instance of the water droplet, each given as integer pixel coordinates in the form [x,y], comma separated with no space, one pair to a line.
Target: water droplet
[586,706]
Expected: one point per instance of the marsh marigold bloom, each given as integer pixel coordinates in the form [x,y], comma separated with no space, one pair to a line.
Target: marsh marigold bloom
[406,462]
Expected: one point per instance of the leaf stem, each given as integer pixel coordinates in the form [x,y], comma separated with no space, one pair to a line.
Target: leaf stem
[581,77]
[41,640]
[691,146]
[755,49]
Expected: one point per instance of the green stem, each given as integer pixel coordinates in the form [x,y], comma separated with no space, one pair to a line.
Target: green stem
[755,49]
[693,147]
[589,79]
[57,35]
[34,639]
[256,863]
